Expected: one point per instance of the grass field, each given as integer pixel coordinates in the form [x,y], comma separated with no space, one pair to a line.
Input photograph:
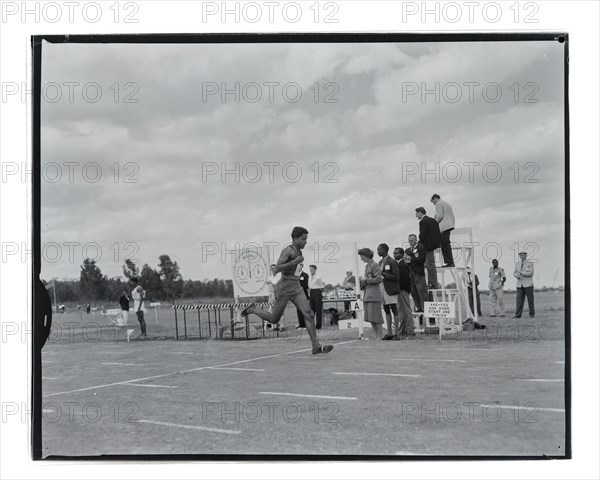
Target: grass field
[498,391]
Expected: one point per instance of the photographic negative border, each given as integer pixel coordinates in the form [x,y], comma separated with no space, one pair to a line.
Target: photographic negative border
[42,312]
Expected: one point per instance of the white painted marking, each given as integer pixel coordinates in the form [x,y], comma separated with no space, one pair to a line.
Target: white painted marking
[466,349]
[238,369]
[524,407]
[191,353]
[540,380]
[427,360]
[48,378]
[47,361]
[192,427]
[404,452]
[185,371]
[307,396]
[149,385]
[125,364]
[376,374]
[560,361]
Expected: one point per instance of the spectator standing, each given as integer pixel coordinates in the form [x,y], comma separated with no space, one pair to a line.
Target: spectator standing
[316,285]
[407,325]
[414,256]
[304,285]
[524,274]
[445,218]
[430,237]
[349,284]
[124,303]
[389,291]
[372,296]
[496,287]
[469,279]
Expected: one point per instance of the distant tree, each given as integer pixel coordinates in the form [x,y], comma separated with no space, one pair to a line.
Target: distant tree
[91,281]
[115,287]
[150,281]
[172,283]
[130,269]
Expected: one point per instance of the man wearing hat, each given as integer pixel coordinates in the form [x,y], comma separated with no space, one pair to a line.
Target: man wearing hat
[524,275]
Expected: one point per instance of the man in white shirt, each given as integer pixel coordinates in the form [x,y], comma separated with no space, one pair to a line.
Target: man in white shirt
[445,217]
[138,294]
[316,285]
[496,286]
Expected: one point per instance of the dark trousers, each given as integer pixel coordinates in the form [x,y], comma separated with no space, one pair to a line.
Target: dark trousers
[478,301]
[316,304]
[446,248]
[523,292]
[140,317]
[419,290]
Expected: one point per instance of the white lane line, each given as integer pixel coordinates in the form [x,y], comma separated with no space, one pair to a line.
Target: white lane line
[539,379]
[125,364]
[191,427]
[404,452]
[376,374]
[524,407]
[467,349]
[307,396]
[48,378]
[184,371]
[150,385]
[191,353]
[238,369]
[427,360]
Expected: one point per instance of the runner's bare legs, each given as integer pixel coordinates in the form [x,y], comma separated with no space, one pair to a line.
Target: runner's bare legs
[301,303]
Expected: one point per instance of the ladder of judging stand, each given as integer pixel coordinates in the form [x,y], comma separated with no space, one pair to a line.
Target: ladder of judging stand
[458,295]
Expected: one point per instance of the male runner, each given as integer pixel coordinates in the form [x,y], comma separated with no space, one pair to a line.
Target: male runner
[138,294]
[288,289]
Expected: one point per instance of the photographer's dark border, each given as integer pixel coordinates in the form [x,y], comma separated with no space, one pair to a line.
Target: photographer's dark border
[42,313]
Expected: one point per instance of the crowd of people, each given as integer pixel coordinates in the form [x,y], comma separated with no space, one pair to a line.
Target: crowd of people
[412,272]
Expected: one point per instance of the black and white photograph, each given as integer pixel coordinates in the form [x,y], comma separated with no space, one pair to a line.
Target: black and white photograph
[303,247]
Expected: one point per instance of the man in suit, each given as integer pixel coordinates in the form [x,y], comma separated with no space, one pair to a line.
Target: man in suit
[524,275]
[430,237]
[389,290]
[415,256]
[469,279]
[445,218]
[304,285]
[407,326]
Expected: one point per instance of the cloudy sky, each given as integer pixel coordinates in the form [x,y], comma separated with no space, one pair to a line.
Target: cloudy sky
[361,135]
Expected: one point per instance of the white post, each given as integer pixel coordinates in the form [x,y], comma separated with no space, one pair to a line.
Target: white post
[359,313]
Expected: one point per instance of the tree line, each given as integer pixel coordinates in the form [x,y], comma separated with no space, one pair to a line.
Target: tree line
[164,283]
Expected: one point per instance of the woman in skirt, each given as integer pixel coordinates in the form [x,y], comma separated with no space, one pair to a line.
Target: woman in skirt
[372,296]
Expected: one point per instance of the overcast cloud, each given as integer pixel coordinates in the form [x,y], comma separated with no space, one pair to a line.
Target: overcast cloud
[368,141]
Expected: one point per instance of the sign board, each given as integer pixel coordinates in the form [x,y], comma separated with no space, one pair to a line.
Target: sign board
[155,304]
[348,324]
[356,305]
[250,272]
[440,309]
